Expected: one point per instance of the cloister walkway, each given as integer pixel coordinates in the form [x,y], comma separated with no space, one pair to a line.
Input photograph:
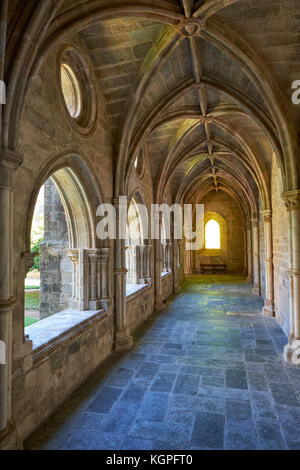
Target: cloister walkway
[197,378]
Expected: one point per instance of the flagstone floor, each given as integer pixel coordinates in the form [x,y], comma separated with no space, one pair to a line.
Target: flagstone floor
[196,379]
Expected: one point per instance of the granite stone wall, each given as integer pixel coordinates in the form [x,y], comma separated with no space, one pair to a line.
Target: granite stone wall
[55,267]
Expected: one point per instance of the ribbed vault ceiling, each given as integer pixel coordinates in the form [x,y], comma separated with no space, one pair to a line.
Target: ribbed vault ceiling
[199,83]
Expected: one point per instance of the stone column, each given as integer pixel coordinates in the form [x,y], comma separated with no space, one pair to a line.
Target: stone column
[249,255]
[123,340]
[268,308]
[147,263]
[104,275]
[176,266]
[188,268]
[73,255]
[292,203]
[9,161]
[158,305]
[169,256]
[255,247]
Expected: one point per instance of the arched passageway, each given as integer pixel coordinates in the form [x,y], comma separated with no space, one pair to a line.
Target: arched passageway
[124,105]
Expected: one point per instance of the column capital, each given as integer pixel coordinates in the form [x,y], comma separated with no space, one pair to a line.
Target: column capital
[291,199]
[28,260]
[73,255]
[267,215]
[255,222]
[9,162]
[120,201]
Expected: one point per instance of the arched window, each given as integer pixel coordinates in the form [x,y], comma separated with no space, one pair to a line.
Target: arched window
[212,235]
[70,274]
[71,90]
[134,241]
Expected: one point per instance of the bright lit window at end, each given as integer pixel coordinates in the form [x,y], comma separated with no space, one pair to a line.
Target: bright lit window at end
[212,235]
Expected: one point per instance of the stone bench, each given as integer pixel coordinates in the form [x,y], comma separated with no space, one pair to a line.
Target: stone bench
[212,268]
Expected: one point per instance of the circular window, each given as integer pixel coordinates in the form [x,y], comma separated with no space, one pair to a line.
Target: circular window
[78,90]
[139,163]
[71,90]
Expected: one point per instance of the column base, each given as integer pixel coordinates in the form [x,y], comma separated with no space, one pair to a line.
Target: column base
[256,290]
[159,306]
[249,278]
[177,290]
[291,353]
[9,439]
[123,342]
[268,310]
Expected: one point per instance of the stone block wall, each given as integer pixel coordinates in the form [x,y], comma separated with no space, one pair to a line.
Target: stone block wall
[167,286]
[139,307]
[233,254]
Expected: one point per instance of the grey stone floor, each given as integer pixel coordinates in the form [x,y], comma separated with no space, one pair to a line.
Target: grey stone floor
[196,379]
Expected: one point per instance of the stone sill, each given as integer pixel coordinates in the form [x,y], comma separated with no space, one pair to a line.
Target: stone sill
[52,331]
[133,290]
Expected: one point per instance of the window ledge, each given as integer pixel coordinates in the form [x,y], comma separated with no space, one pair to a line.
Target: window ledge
[51,331]
[133,289]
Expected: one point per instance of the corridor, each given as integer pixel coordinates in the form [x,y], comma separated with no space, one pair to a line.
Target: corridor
[197,378]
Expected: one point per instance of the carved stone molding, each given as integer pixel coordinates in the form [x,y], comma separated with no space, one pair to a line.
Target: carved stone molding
[291,199]
[267,215]
[205,120]
[191,27]
[255,223]
[73,255]
[28,260]
[9,162]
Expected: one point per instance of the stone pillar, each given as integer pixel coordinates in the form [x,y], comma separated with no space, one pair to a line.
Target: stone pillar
[169,256]
[94,278]
[268,308]
[159,305]
[188,268]
[104,274]
[292,203]
[176,266]
[249,255]
[164,256]
[73,255]
[9,161]
[255,247]
[123,340]
[147,263]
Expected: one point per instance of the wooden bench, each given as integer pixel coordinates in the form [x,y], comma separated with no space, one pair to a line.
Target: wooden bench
[212,268]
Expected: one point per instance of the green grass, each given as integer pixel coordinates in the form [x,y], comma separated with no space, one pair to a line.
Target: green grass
[32,300]
[29,321]
[31,287]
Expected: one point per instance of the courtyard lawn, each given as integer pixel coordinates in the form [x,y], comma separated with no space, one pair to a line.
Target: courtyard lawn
[32,300]
[29,321]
